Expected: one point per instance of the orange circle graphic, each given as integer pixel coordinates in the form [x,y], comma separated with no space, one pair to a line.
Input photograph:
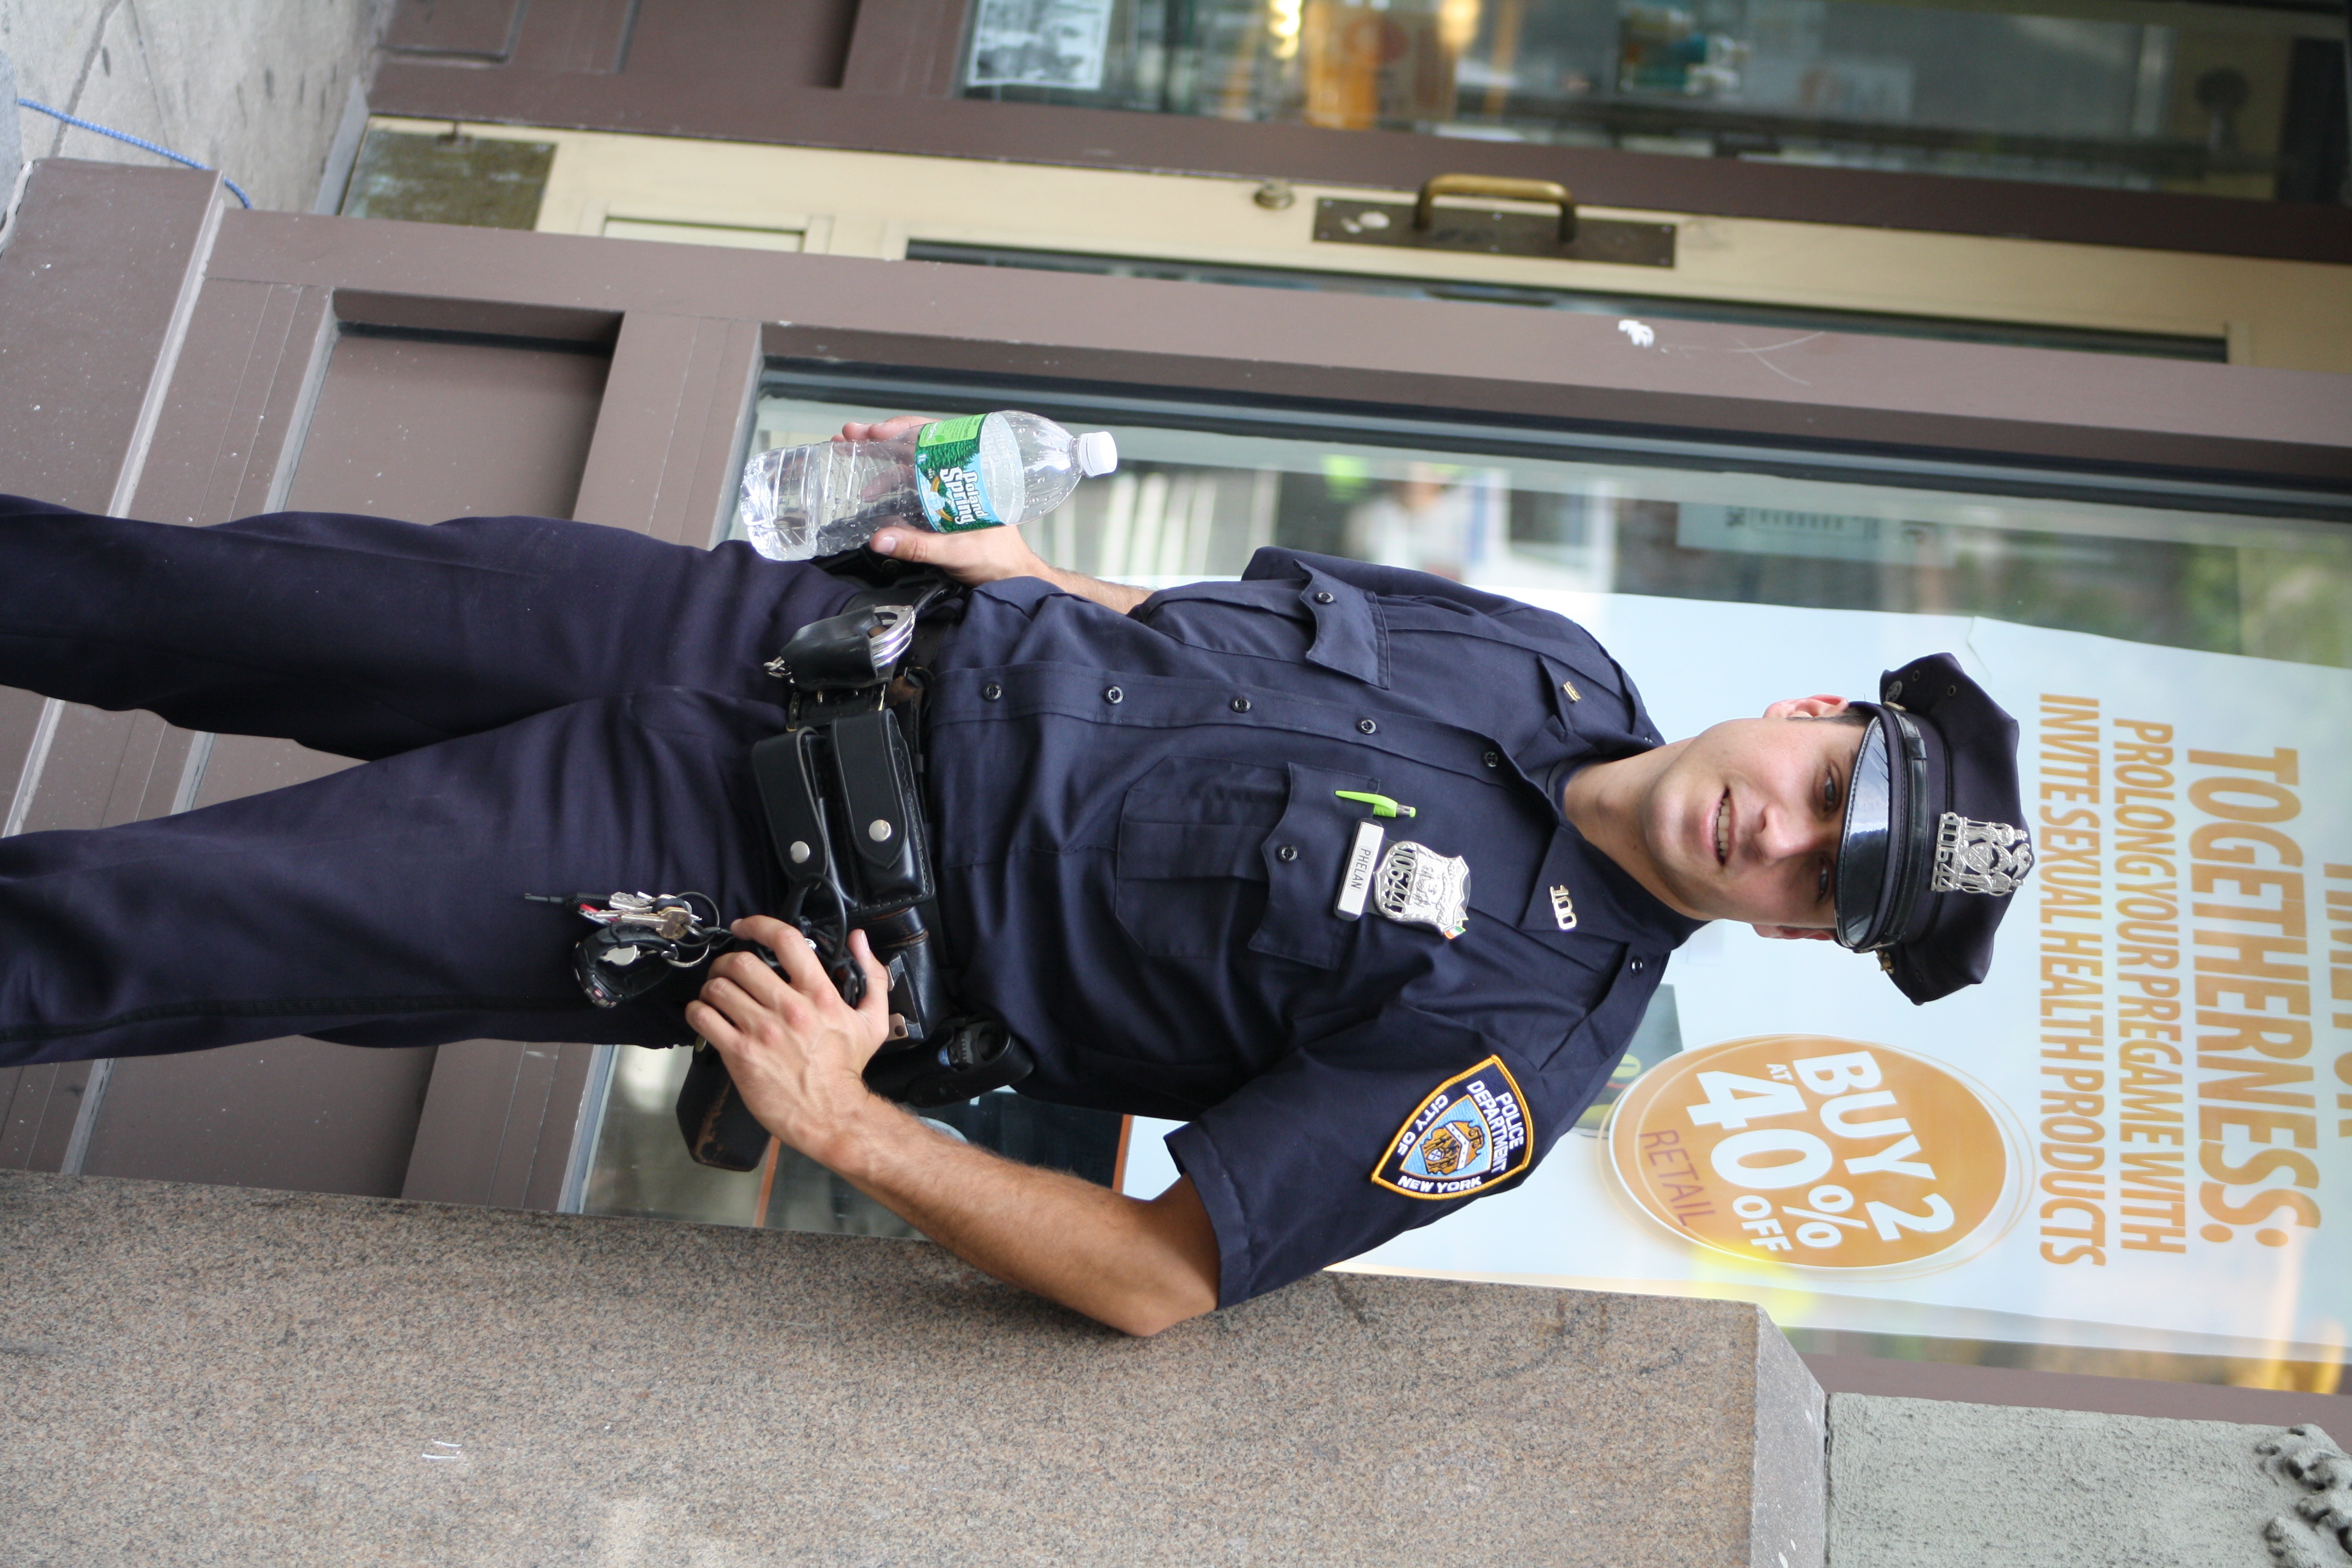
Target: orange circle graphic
[1807,1150]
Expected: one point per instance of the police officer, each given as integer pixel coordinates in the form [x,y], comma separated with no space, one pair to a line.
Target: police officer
[1364,876]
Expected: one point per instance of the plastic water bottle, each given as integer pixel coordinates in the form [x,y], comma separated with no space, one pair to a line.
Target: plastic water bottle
[951,476]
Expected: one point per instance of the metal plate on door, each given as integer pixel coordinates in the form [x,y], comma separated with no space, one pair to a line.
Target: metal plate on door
[1488,231]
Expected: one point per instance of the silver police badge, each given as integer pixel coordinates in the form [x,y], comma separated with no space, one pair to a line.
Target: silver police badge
[1417,885]
[1974,856]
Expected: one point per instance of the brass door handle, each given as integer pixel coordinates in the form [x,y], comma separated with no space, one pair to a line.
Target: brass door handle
[1424,211]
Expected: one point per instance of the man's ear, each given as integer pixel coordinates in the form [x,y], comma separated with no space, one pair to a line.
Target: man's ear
[1814,707]
[1795,934]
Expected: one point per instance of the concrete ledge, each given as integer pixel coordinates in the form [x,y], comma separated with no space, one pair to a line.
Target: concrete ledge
[207,1373]
[1918,1483]
[2035,1388]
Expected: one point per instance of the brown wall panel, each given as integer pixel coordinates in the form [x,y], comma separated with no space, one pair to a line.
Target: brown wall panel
[688,44]
[37,1108]
[109,249]
[498,1120]
[908,47]
[20,722]
[427,429]
[1964,401]
[240,766]
[1951,401]
[251,357]
[573,35]
[250,353]
[298,1114]
[676,412]
[107,768]
[101,262]
[497,1124]
[491,317]
[482,28]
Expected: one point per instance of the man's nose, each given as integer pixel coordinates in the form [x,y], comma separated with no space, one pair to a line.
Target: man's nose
[1793,835]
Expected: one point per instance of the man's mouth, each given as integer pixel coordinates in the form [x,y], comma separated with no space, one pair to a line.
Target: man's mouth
[1723,830]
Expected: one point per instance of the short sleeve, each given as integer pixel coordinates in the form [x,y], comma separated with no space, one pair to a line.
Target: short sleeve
[1354,1139]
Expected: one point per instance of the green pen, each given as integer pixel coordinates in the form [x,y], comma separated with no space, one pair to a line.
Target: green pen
[1381,805]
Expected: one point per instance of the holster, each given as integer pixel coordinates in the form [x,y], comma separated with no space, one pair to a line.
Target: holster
[841,789]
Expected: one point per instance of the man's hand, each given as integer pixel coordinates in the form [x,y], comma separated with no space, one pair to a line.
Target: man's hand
[980,555]
[796,1050]
[983,555]
[798,1053]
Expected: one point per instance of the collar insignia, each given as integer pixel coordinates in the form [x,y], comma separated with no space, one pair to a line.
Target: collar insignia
[1563,908]
[1417,885]
[1974,856]
[1470,1134]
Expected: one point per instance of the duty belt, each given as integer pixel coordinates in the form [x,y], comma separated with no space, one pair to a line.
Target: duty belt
[842,792]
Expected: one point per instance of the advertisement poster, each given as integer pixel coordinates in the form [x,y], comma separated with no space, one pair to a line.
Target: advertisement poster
[2137,1135]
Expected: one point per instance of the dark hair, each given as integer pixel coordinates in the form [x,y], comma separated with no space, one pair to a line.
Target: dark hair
[1853,716]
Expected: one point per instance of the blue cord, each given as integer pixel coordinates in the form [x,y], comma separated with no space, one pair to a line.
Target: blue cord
[135,141]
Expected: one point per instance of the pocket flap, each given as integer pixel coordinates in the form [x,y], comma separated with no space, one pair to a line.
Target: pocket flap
[1164,852]
[1303,860]
[1199,816]
[1351,635]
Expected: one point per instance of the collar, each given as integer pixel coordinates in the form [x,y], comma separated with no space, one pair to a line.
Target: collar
[1602,898]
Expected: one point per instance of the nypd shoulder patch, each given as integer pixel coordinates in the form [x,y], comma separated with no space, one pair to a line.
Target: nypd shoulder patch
[1471,1133]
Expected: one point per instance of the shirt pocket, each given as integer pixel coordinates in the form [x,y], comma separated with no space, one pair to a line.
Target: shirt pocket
[1190,871]
[1212,850]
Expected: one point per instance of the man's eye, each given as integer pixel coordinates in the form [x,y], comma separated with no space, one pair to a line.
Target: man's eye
[1829,793]
[1822,883]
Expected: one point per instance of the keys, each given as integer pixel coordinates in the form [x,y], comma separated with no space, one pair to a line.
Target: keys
[613,964]
[669,917]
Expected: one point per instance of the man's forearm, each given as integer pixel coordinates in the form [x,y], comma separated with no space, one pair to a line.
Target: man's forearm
[1116,595]
[993,554]
[797,1052]
[1136,1265]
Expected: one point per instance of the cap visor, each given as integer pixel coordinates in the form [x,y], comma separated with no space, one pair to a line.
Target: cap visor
[1864,844]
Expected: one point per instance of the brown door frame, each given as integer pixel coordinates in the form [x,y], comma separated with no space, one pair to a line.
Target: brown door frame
[893,92]
[251,301]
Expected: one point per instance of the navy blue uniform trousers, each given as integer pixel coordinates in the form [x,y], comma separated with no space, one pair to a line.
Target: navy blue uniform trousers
[542,708]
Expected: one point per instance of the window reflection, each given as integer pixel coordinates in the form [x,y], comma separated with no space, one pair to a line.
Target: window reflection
[2139,93]
[1188,504]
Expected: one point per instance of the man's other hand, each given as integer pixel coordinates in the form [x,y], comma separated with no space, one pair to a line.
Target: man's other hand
[981,554]
[796,1050]
[884,429]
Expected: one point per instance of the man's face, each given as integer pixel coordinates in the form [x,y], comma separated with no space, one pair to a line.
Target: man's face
[1743,822]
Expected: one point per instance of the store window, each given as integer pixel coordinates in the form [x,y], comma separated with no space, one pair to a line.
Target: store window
[2206,572]
[2243,101]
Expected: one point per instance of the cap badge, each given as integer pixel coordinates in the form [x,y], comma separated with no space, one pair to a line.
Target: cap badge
[1417,885]
[1974,856]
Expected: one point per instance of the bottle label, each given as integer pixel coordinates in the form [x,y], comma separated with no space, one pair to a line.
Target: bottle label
[947,476]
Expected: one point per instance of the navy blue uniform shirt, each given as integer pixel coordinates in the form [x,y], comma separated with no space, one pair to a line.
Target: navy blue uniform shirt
[1140,846]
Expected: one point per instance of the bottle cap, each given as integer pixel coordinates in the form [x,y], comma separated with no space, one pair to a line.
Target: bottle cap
[1097,454]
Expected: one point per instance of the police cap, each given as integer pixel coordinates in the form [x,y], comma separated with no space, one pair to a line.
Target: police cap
[1933,843]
